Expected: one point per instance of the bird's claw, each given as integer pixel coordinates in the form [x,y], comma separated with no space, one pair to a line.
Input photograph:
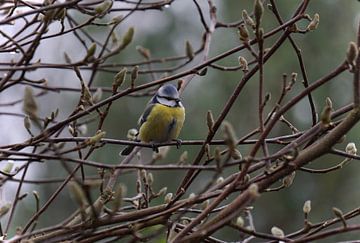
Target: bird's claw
[178,143]
[155,148]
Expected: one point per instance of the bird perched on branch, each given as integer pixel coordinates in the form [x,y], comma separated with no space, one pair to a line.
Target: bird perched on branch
[162,119]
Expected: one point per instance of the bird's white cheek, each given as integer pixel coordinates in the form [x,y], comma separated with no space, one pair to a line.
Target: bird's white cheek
[166,102]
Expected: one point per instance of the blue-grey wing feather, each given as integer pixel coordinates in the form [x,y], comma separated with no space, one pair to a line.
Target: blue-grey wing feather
[145,114]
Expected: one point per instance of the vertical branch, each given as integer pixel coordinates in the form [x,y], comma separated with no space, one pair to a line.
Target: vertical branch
[357,73]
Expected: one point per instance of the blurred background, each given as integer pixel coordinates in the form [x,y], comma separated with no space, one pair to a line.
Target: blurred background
[164,33]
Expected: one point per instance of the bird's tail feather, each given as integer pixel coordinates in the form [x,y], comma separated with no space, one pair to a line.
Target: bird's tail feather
[127,150]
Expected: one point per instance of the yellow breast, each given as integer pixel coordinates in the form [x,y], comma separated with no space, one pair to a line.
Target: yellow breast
[162,124]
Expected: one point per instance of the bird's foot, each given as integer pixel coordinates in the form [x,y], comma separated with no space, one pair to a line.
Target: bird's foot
[155,148]
[178,143]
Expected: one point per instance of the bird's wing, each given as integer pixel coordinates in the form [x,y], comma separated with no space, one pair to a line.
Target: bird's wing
[145,114]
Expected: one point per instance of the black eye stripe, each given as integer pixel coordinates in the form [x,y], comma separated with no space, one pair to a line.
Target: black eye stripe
[166,97]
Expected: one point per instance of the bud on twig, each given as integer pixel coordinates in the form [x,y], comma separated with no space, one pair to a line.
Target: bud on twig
[351,148]
[96,138]
[326,113]
[352,53]
[189,50]
[103,8]
[276,231]
[210,120]
[313,23]
[134,75]
[247,19]
[143,51]
[168,197]
[243,33]
[119,79]
[258,12]
[239,222]
[127,38]
[307,207]
[162,191]
[340,215]
[220,180]
[254,190]
[4,209]
[8,167]
[243,64]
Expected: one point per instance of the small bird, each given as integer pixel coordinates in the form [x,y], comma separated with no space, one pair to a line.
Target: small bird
[162,119]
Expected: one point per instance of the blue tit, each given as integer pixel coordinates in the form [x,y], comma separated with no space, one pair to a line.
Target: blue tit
[162,119]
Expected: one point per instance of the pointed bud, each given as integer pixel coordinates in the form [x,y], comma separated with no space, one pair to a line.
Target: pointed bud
[243,64]
[96,138]
[210,121]
[247,19]
[134,75]
[127,38]
[243,33]
[116,20]
[254,190]
[8,167]
[229,135]
[220,180]
[91,51]
[289,179]
[168,197]
[326,113]
[307,207]
[143,51]
[162,191]
[205,204]
[236,155]
[207,151]
[150,179]
[189,50]
[103,8]
[352,53]
[239,222]
[67,58]
[351,148]
[314,23]
[277,232]
[258,12]
[119,79]
[30,107]
[192,195]
[4,209]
